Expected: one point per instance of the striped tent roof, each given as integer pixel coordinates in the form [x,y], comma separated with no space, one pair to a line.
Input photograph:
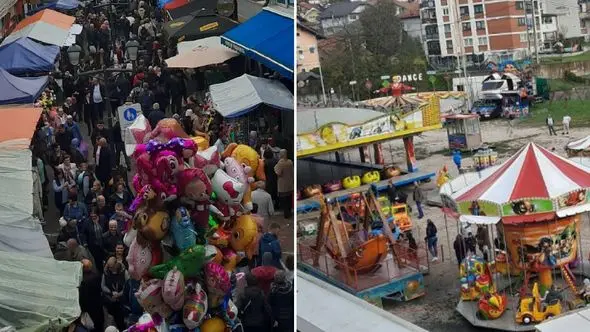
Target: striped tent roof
[532,172]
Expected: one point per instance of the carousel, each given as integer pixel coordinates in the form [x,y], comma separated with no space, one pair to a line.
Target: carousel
[530,209]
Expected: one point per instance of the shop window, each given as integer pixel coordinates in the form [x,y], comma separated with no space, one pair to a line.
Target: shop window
[445,11]
[447,28]
[478,9]
[480,25]
[521,21]
[520,5]
[466,26]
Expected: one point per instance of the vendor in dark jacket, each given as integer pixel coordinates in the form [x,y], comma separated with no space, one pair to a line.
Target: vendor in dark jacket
[255,311]
[111,238]
[282,302]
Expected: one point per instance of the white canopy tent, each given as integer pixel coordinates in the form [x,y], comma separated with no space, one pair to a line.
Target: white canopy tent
[242,94]
[200,53]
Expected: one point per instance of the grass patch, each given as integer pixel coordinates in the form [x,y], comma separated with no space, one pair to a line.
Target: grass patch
[564,59]
[577,109]
[562,85]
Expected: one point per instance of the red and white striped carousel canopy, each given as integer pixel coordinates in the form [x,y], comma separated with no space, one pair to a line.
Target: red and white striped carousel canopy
[533,172]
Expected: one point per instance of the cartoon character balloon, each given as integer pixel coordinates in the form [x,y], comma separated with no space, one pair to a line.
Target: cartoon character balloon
[196,190]
[240,173]
[230,193]
[218,283]
[195,308]
[173,289]
[183,230]
[150,298]
[151,225]
[244,233]
[139,260]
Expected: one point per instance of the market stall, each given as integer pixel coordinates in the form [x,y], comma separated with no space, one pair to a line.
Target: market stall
[191,27]
[47,26]
[254,103]
[19,90]
[271,47]
[24,55]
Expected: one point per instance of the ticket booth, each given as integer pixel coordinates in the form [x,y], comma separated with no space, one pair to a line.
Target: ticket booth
[463,131]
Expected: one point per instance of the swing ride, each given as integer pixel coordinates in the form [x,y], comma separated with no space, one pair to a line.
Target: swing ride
[359,249]
[534,201]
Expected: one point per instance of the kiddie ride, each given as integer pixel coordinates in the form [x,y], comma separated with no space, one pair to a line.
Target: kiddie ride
[477,285]
[532,310]
[362,254]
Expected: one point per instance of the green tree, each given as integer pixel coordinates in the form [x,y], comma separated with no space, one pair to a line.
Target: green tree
[373,46]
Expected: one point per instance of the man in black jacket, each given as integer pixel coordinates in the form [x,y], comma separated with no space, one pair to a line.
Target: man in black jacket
[104,161]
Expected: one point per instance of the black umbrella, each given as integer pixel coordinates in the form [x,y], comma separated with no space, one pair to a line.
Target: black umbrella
[192,28]
[194,8]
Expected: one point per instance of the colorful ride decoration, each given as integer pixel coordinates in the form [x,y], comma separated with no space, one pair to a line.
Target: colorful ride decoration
[196,198]
[491,306]
[543,246]
[396,213]
[536,196]
[418,116]
[443,176]
[475,278]
[532,310]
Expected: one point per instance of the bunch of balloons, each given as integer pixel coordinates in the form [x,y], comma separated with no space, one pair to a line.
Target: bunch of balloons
[192,225]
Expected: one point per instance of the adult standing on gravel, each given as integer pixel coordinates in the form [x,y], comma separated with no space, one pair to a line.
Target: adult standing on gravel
[550,123]
[566,124]
[419,197]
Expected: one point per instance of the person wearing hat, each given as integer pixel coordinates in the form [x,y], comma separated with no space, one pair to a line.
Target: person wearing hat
[155,115]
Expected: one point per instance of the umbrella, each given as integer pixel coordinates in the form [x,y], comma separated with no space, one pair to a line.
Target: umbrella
[201,53]
[192,28]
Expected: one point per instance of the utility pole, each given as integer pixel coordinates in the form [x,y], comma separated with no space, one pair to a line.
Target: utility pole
[535,32]
[459,36]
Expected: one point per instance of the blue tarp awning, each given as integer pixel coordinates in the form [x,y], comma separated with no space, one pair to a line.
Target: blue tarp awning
[24,56]
[18,90]
[59,4]
[266,38]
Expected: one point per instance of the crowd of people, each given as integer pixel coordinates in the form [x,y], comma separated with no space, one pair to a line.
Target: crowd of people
[85,168]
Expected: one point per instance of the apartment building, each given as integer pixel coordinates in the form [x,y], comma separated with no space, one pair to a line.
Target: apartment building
[492,29]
